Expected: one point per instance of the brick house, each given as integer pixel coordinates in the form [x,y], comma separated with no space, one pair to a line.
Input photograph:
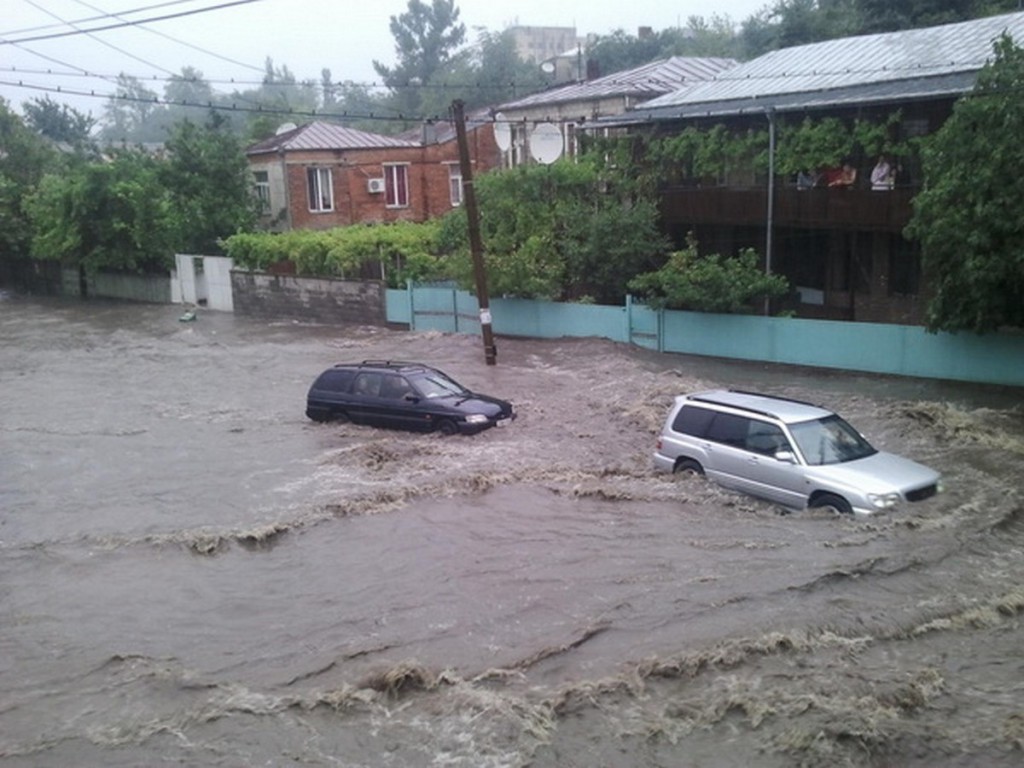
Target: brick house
[322,175]
[841,247]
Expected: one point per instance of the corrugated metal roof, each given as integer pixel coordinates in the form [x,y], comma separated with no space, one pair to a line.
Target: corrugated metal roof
[321,135]
[441,131]
[851,62]
[658,77]
[898,92]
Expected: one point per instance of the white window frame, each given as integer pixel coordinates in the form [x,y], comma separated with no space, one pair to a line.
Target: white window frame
[320,189]
[396,185]
[455,183]
[261,180]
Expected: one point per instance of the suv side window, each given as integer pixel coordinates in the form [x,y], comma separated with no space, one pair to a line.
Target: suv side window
[766,438]
[693,420]
[729,429]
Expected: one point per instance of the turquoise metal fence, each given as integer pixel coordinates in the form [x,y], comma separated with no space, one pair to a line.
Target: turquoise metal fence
[871,347]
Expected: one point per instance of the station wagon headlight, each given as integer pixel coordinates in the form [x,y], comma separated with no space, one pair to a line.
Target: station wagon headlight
[884,500]
[476,418]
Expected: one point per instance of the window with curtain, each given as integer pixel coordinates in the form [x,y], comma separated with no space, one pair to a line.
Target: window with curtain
[396,183]
[321,193]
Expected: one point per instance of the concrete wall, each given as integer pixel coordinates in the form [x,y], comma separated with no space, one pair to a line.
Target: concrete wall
[155,289]
[306,299]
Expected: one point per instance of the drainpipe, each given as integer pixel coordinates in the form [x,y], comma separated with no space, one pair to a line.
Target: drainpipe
[770,114]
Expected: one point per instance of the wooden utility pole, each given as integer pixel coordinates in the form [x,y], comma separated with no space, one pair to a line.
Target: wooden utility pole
[476,248]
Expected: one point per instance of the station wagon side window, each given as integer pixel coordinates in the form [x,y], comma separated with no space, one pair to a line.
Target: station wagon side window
[395,387]
[367,384]
[334,381]
[728,429]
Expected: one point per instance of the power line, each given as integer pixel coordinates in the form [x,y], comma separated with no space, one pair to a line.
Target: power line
[99,40]
[95,18]
[258,109]
[122,24]
[120,17]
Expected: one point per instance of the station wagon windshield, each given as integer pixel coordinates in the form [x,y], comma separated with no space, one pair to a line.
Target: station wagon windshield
[830,441]
[436,385]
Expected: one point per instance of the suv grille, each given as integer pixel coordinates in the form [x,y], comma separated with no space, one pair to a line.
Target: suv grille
[922,493]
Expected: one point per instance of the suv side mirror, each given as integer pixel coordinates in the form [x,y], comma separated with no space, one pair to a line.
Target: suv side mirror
[786,456]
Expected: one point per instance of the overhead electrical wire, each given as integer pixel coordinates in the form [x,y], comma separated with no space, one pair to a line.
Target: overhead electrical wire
[214,54]
[99,40]
[122,24]
[100,17]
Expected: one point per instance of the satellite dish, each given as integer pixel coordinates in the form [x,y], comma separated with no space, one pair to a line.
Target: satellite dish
[284,128]
[547,67]
[502,132]
[546,143]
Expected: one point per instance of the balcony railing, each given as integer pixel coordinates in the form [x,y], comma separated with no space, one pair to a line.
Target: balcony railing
[848,209]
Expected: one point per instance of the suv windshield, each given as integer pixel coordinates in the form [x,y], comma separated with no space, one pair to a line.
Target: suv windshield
[830,441]
[436,384]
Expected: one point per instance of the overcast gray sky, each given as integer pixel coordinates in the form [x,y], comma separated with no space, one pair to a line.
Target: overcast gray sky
[231,43]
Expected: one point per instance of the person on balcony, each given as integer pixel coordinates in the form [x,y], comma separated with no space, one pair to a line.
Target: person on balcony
[807,179]
[883,176]
[842,178]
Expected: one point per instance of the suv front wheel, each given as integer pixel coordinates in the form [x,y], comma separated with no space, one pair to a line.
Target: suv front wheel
[833,502]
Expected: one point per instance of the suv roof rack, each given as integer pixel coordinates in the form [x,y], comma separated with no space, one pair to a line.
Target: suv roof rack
[775,397]
[709,398]
[383,364]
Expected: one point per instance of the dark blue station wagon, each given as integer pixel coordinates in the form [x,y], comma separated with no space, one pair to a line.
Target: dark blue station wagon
[403,395]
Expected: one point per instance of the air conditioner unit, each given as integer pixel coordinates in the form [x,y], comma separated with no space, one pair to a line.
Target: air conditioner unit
[375,186]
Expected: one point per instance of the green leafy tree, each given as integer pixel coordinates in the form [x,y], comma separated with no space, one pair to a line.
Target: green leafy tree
[702,36]
[558,232]
[58,122]
[711,283]
[967,218]
[24,159]
[491,72]
[887,16]
[208,184]
[128,111]
[426,37]
[112,215]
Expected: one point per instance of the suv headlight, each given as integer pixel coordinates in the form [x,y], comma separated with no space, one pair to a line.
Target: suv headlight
[476,418]
[884,500]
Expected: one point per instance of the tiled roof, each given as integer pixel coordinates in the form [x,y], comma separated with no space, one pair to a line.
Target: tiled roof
[321,135]
[649,80]
[915,60]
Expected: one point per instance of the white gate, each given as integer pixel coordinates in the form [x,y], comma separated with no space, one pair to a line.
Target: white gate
[203,281]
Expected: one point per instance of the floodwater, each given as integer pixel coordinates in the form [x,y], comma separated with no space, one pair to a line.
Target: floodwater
[193,573]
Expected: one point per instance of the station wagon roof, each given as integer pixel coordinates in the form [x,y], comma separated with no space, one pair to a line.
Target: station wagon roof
[784,409]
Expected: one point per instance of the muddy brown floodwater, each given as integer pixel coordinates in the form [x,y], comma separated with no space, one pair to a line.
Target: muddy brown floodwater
[193,573]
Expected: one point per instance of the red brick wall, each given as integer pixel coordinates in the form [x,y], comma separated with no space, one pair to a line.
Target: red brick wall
[429,195]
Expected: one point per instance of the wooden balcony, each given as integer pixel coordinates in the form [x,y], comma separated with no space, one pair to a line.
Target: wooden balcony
[842,209]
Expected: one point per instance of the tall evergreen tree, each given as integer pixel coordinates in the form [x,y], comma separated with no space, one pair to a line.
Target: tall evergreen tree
[426,38]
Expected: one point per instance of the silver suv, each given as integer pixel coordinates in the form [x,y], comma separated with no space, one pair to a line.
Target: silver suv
[790,452]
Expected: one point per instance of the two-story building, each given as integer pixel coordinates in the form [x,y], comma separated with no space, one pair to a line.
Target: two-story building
[838,238]
[322,175]
[569,108]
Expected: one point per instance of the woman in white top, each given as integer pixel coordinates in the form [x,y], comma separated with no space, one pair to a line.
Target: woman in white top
[883,177]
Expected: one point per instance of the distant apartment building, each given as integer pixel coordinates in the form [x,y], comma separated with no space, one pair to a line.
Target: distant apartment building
[539,44]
